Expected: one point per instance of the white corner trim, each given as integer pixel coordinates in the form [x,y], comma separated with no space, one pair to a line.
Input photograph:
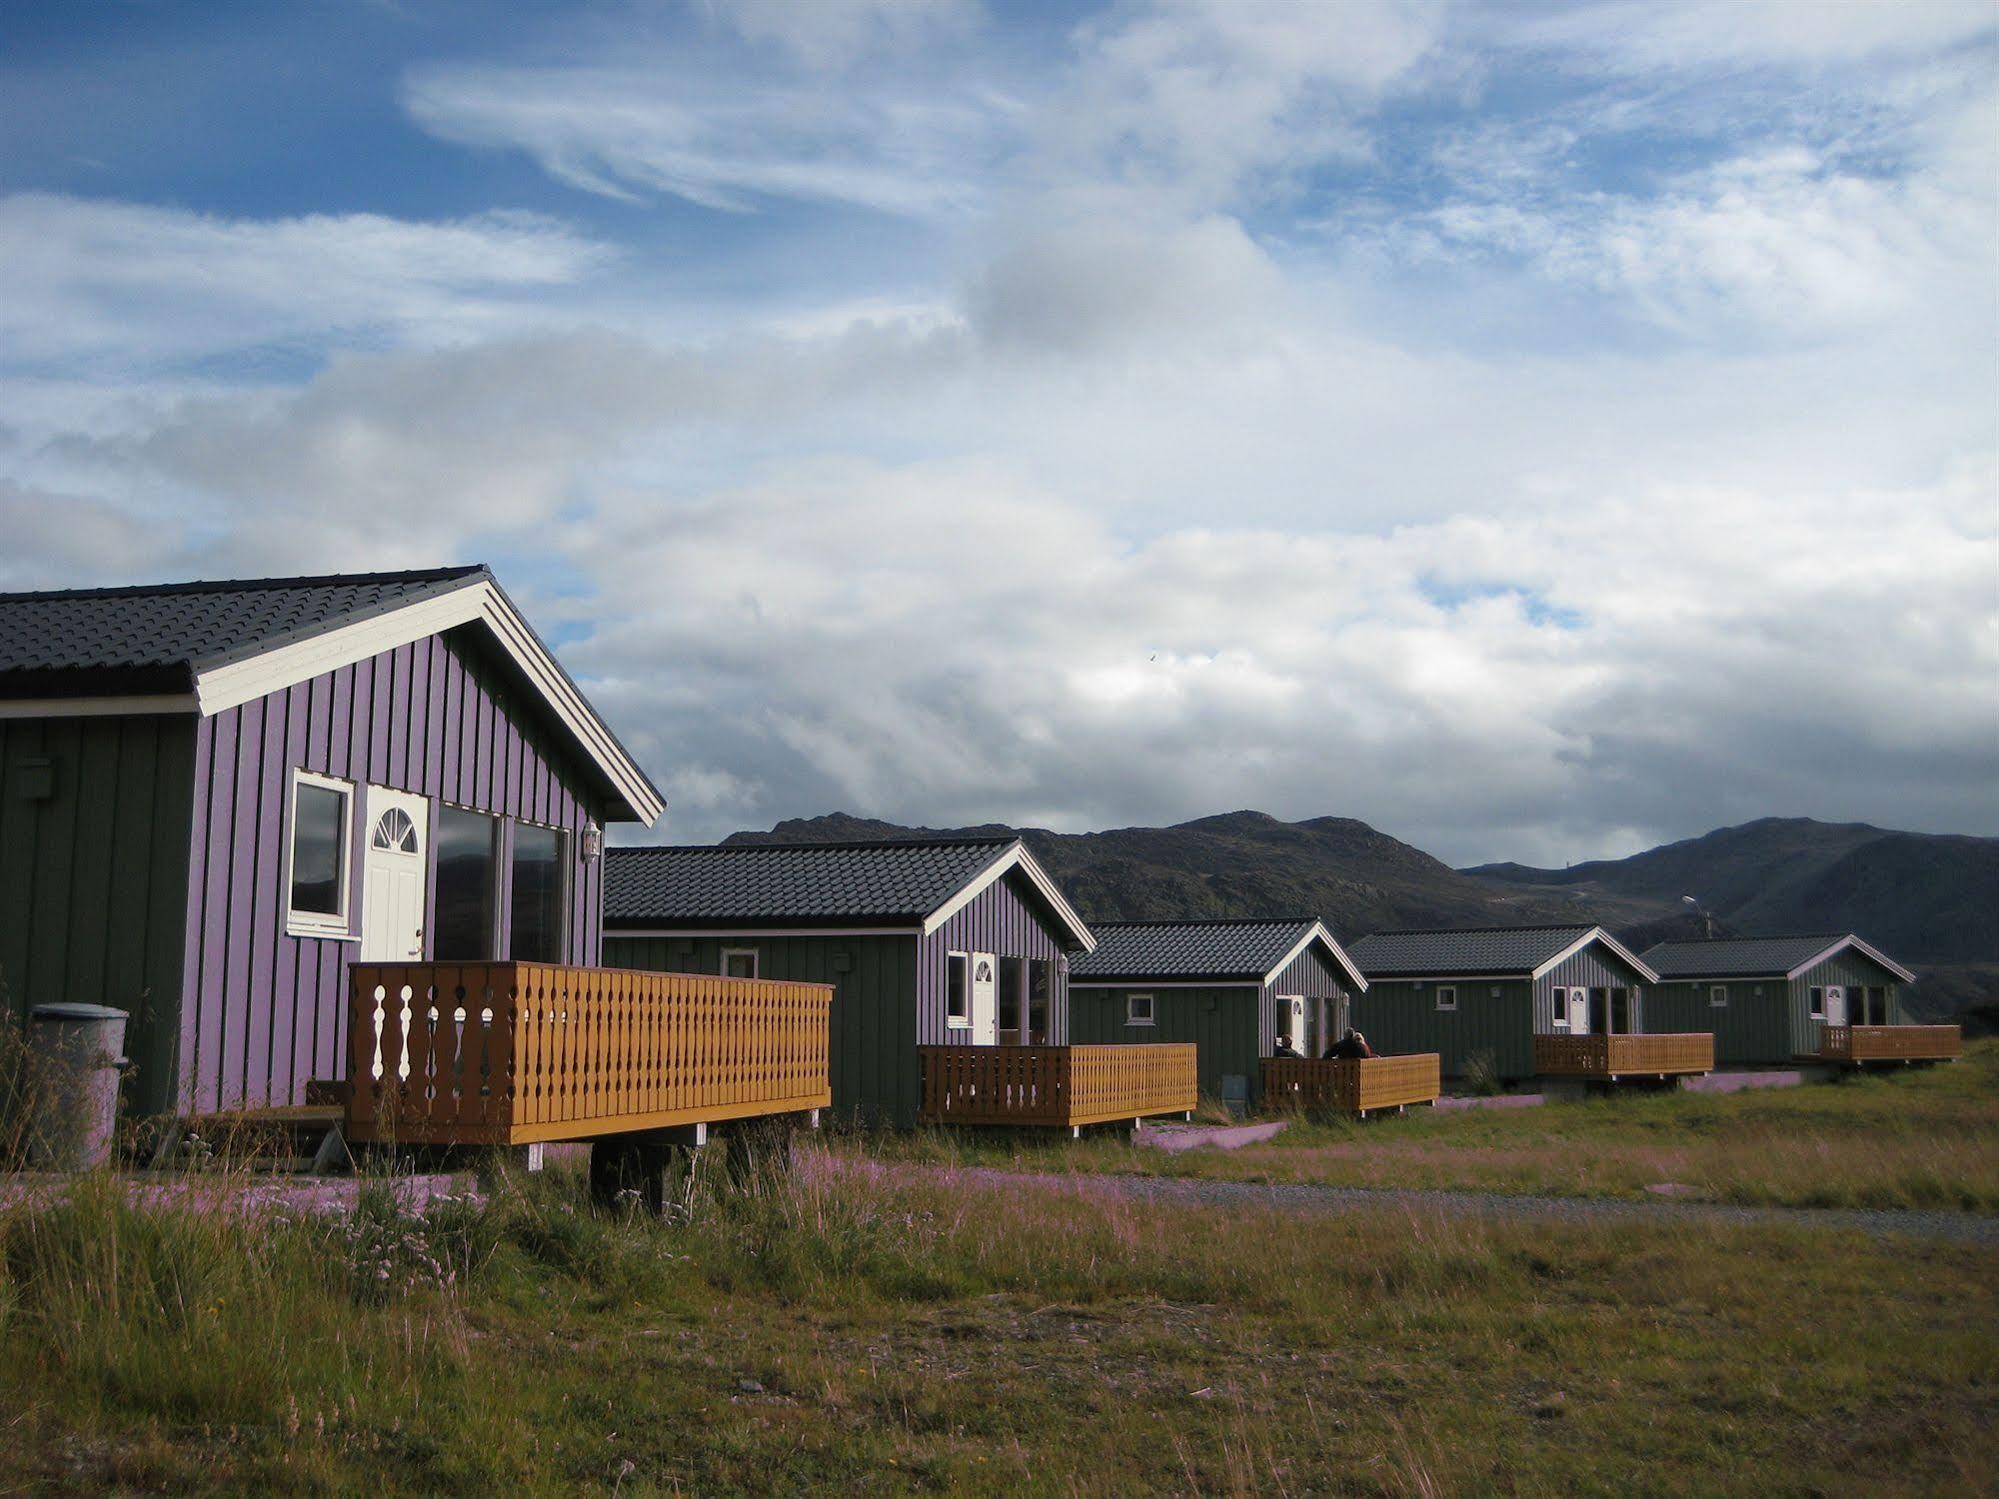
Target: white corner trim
[1318,930]
[1015,857]
[1598,934]
[240,682]
[99,707]
[1849,940]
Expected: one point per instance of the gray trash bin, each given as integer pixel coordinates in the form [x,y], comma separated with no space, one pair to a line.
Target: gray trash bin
[78,1051]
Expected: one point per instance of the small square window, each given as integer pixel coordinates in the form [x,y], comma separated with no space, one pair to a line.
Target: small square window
[1717,996]
[1447,997]
[739,962]
[1138,1009]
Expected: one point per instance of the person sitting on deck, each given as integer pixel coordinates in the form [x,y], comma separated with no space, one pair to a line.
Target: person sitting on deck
[1286,1049]
[1349,1048]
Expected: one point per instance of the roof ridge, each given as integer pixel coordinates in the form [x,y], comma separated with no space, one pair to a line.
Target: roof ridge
[1757,937]
[1454,931]
[1105,926]
[244,585]
[839,845]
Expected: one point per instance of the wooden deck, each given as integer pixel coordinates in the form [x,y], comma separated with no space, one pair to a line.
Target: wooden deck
[1055,1086]
[1857,1044]
[518,1053]
[1608,1058]
[1360,1087]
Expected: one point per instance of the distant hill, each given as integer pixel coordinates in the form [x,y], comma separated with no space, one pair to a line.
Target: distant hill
[1927,898]
[1251,864]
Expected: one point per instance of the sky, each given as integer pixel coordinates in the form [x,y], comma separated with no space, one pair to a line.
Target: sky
[1538,430]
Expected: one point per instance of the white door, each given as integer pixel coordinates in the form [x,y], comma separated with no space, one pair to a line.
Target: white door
[1579,1012]
[985,1000]
[1835,1005]
[392,878]
[1291,1020]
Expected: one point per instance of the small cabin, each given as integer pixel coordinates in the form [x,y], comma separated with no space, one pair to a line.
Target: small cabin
[1524,1001]
[932,943]
[1773,999]
[216,797]
[1229,987]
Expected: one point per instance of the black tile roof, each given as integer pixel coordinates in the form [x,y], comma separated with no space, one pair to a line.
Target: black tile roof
[156,638]
[792,884]
[1738,957]
[1476,950]
[1233,950]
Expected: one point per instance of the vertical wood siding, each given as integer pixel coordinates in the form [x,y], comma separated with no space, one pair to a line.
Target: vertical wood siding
[1595,967]
[1399,1018]
[1846,969]
[1000,922]
[262,1012]
[1754,1026]
[1222,1023]
[93,878]
[1315,976]
[873,1060]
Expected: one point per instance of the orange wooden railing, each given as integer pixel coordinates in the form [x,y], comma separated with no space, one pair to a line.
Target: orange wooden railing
[1890,1043]
[1624,1056]
[1358,1086]
[514,1053]
[1055,1085]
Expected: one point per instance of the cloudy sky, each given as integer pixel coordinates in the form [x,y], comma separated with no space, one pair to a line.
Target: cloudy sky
[1540,431]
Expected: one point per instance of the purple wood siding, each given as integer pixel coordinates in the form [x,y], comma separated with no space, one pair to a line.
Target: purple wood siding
[1315,975]
[262,1011]
[997,921]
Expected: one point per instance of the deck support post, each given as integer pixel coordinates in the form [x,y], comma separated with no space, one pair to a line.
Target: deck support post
[1075,1131]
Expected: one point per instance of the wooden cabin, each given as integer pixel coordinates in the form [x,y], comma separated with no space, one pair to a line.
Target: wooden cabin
[949,959]
[1229,987]
[1562,1001]
[314,830]
[1826,997]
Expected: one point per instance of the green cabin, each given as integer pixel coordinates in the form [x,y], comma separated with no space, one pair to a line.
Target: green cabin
[1230,987]
[1767,998]
[1487,992]
[926,942]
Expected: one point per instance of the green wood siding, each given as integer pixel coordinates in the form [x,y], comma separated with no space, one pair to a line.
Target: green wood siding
[93,874]
[1399,1018]
[1595,967]
[1222,1022]
[1754,1026]
[875,1075]
[1848,969]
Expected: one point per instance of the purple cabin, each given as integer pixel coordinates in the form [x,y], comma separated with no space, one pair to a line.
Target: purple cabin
[215,796]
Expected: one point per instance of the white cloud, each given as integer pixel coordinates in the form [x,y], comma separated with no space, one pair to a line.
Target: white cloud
[1642,35]
[834,33]
[90,279]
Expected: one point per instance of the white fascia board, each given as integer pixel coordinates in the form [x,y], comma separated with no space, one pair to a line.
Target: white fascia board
[240,682]
[1014,857]
[747,932]
[1849,940]
[1454,978]
[99,707]
[1598,934]
[1143,984]
[1319,932]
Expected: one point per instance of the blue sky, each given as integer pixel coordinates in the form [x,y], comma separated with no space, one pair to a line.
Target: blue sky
[1539,430]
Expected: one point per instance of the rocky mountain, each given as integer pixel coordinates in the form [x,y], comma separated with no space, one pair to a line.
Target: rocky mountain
[1932,901]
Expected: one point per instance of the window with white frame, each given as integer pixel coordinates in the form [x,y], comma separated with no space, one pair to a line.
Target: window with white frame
[317,876]
[1717,996]
[958,990]
[1818,1003]
[1561,1016]
[739,962]
[1138,1009]
[1447,996]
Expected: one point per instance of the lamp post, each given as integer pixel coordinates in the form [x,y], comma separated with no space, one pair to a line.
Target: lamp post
[1706,916]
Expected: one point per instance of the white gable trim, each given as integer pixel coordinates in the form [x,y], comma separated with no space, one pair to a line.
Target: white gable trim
[1849,940]
[1318,932]
[240,682]
[1598,934]
[98,707]
[1015,857]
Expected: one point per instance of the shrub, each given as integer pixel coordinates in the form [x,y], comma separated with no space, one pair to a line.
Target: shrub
[1482,1074]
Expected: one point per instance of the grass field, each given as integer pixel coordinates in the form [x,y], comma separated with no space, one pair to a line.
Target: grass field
[1922,1138]
[848,1328]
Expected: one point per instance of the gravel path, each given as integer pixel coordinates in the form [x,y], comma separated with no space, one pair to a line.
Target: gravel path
[1959,1228]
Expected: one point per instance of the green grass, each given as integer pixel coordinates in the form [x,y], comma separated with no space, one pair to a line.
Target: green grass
[1922,1138]
[850,1328]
